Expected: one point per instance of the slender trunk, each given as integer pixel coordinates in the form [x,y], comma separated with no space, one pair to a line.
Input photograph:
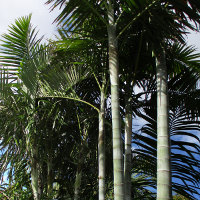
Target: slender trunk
[34,160]
[80,164]
[34,173]
[40,180]
[77,183]
[116,126]
[164,191]
[101,147]
[49,176]
[127,157]
[49,164]
[33,153]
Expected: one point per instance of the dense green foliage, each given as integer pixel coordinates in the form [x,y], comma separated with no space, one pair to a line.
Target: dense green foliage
[50,99]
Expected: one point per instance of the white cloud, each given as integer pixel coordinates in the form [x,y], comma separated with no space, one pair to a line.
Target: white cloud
[13,9]
[43,19]
[194,39]
[41,16]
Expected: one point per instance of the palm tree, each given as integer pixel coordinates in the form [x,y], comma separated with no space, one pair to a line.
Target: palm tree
[37,60]
[96,57]
[173,30]
[23,55]
[59,78]
[73,16]
[179,109]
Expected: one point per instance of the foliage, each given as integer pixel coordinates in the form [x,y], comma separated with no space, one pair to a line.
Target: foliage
[50,97]
[179,197]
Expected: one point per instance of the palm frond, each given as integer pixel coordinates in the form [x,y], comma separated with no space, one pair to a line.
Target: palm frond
[20,43]
[185,148]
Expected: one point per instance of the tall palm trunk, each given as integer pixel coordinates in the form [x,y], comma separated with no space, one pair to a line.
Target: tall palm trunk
[164,191]
[101,146]
[127,157]
[116,127]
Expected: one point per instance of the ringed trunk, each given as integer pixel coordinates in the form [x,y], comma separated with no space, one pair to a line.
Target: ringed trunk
[116,127]
[164,191]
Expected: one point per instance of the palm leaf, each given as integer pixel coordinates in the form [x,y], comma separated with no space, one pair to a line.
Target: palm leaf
[184,153]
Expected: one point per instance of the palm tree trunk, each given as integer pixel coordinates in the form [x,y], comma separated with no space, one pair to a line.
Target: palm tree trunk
[49,162]
[33,153]
[49,176]
[34,173]
[116,126]
[164,191]
[101,147]
[127,157]
[77,183]
[80,163]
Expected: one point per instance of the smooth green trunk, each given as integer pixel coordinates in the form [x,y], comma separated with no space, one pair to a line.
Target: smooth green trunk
[101,147]
[164,191]
[127,156]
[116,126]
